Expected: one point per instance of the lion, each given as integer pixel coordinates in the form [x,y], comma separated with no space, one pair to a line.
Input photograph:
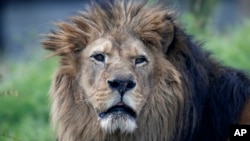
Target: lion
[129,72]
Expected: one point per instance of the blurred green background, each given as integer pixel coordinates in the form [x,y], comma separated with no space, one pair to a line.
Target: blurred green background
[25,81]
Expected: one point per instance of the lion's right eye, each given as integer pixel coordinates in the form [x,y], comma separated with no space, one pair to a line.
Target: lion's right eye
[140,60]
[98,57]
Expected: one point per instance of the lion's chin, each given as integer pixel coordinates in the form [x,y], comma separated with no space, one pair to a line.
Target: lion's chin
[118,121]
[118,118]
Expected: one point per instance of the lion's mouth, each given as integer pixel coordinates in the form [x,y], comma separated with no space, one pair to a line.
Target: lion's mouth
[119,108]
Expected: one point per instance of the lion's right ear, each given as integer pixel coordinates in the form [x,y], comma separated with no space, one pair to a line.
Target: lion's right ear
[156,27]
[67,39]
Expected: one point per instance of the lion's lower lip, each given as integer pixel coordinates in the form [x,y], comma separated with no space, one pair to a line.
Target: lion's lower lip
[119,109]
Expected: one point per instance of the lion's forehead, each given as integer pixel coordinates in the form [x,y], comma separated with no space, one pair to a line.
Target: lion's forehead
[129,48]
[99,45]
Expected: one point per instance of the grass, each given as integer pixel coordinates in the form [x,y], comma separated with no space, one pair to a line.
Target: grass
[24,104]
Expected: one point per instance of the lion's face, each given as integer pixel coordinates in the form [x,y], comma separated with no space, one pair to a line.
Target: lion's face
[115,78]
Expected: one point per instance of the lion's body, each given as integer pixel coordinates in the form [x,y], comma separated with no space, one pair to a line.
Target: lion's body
[129,73]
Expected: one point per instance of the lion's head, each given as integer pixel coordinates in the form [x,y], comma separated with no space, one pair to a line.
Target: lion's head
[114,77]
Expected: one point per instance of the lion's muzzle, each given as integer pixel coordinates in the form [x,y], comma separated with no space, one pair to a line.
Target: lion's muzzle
[120,116]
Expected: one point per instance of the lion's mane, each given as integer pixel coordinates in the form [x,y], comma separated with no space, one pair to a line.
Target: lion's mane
[206,99]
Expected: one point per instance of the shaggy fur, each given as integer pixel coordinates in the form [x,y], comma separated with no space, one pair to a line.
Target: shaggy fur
[193,98]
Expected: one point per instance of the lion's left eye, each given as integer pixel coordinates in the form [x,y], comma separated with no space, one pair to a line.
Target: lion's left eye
[140,60]
[99,57]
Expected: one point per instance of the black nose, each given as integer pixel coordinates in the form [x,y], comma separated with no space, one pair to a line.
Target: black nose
[121,86]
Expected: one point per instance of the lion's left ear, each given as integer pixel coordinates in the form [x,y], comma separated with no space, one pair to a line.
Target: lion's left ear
[156,28]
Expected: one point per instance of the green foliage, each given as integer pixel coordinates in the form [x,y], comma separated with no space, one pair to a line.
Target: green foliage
[231,48]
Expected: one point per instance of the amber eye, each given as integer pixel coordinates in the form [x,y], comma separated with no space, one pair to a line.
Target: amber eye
[99,57]
[140,60]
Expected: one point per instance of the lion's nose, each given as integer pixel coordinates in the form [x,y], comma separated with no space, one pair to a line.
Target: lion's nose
[121,86]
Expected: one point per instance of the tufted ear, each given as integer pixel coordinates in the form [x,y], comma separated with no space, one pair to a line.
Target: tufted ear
[70,37]
[156,27]
[67,39]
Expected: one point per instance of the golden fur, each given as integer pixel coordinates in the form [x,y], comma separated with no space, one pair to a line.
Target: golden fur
[123,31]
